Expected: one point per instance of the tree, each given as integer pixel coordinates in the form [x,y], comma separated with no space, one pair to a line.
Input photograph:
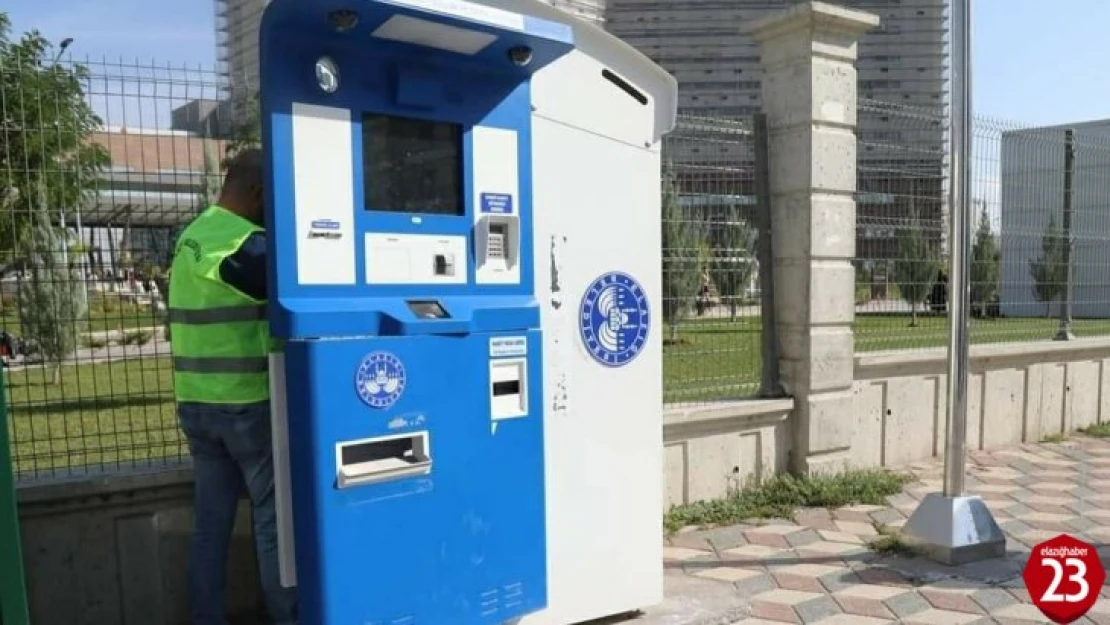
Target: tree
[916,267]
[1049,271]
[52,306]
[985,267]
[731,264]
[45,125]
[248,130]
[681,237]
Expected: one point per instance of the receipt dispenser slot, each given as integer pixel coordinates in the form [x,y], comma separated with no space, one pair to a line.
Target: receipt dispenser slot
[376,460]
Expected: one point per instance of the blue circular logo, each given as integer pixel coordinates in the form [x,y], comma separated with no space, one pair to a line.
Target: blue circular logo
[380,379]
[615,319]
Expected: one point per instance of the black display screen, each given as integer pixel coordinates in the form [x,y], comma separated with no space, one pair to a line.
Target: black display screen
[412,165]
[426,309]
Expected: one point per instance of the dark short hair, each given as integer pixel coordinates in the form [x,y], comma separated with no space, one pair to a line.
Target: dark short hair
[244,170]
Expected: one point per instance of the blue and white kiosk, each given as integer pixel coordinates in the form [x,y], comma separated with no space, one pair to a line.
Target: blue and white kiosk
[462,205]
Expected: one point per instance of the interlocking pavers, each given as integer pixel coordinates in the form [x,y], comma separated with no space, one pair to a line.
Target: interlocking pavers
[819,568]
[775,612]
[862,606]
[951,601]
[873,593]
[907,604]
[816,610]
[1021,611]
[993,599]
[939,617]
[835,548]
[726,537]
[857,528]
[729,574]
[840,537]
[843,580]
[800,539]
[680,554]
[777,541]
[847,619]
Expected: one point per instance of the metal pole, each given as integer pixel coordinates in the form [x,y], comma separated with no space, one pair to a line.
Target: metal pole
[1064,333]
[770,386]
[959,339]
[953,527]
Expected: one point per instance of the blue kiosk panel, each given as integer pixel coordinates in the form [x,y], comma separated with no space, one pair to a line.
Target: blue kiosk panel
[398,152]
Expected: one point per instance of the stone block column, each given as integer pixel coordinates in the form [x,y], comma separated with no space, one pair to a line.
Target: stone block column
[809,97]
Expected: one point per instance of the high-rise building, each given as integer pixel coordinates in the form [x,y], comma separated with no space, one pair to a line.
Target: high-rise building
[237,23]
[902,63]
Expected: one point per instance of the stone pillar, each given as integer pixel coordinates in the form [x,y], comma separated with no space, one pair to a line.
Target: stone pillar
[809,96]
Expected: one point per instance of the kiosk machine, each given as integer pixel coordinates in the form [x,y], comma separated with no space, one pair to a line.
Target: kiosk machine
[463,216]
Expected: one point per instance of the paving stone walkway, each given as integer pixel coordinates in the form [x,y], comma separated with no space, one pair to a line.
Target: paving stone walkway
[819,568]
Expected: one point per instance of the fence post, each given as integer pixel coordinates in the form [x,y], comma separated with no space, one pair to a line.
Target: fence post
[1064,333]
[770,383]
[13,592]
[809,95]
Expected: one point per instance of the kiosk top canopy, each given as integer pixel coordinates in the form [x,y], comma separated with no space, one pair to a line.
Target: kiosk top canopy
[608,50]
[482,30]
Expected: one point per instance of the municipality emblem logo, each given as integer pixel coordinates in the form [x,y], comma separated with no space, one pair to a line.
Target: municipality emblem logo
[380,379]
[614,319]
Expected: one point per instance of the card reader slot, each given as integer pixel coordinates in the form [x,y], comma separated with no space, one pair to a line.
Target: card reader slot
[382,459]
[506,387]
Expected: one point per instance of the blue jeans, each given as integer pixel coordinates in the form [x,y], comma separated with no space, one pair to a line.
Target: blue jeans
[231,447]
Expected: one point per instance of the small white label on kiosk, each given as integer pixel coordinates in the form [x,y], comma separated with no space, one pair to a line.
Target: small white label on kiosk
[507,346]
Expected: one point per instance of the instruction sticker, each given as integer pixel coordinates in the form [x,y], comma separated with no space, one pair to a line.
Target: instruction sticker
[497,203]
[507,346]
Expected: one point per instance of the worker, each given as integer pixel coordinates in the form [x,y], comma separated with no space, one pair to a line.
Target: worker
[220,342]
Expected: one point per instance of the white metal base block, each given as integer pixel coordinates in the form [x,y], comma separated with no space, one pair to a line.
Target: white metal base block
[955,530]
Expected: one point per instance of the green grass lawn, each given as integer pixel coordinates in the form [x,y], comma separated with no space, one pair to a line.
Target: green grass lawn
[119,412]
[716,358]
[100,414]
[107,311]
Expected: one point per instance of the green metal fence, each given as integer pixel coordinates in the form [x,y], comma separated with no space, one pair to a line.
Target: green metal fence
[13,593]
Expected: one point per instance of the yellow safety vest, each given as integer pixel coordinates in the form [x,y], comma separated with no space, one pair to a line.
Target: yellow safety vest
[220,337]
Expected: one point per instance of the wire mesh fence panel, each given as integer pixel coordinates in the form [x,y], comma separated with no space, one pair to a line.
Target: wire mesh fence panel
[901,246]
[1033,191]
[711,346]
[100,164]
[1054,234]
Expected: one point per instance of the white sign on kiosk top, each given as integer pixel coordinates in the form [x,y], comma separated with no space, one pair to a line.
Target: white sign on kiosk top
[468,11]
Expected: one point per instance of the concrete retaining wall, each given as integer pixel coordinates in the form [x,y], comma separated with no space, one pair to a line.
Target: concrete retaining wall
[114,551]
[713,449]
[1018,393]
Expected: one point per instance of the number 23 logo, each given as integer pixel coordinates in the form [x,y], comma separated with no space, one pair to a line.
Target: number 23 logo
[1052,594]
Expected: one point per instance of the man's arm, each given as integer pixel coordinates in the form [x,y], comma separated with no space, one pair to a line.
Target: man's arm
[246,268]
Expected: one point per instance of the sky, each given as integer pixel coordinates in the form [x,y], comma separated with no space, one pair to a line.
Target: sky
[1033,62]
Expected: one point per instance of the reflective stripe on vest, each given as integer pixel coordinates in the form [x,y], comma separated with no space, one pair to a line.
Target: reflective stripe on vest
[221,365]
[225,314]
[219,336]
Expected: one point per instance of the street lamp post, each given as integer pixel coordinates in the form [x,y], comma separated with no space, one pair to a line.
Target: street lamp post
[952,526]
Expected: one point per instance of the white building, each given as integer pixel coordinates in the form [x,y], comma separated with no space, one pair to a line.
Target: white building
[1032,192]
